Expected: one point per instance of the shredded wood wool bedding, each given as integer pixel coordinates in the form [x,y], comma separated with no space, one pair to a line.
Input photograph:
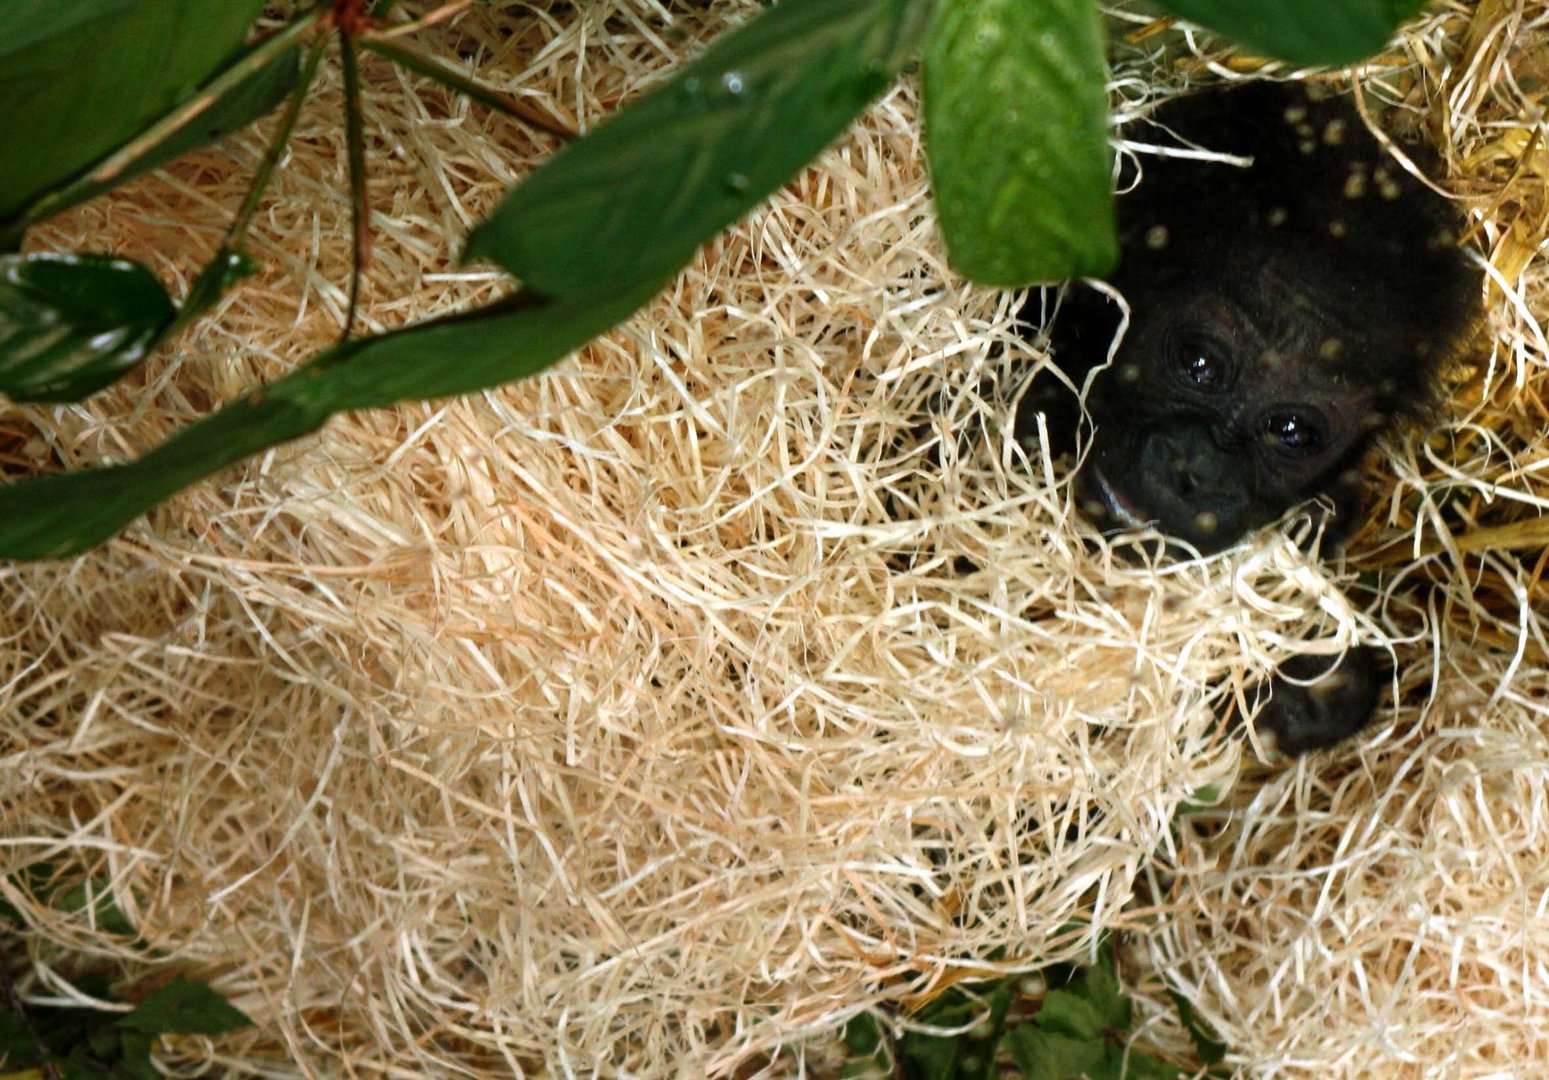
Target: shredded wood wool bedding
[652,717]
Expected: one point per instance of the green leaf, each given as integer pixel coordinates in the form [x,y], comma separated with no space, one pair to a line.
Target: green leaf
[41,880]
[95,895]
[635,198]
[1118,1064]
[1138,1065]
[929,1057]
[18,1046]
[1206,1044]
[867,1054]
[31,23]
[1048,1055]
[79,77]
[1331,32]
[1203,799]
[978,1061]
[184,1007]
[1104,954]
[219,274]
[75,1068]
[1016,131]
[235,109]
[33,1038]
[58,515]
[970,1055]
[134,1056]
[1109,1066]
[1099,989]
[957,1006]
[105,1044]
[1070,1014]
[71,324]
[92,1043]
[863,1035]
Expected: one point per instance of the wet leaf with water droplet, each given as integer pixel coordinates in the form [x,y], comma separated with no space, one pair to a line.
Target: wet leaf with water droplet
[636,193]
[219,274]
[1333,32]
[1016,130]
[72,324]
[636,197]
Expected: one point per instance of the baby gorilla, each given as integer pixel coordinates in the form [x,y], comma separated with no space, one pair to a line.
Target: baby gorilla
[1285,309]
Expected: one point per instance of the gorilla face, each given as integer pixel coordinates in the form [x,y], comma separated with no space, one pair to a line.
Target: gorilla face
[1282,313]
[1217,415]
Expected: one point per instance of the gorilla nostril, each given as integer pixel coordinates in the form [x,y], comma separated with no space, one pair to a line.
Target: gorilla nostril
[1185,472]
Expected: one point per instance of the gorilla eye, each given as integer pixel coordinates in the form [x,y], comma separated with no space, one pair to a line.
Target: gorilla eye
[1292,433]
[1200,362]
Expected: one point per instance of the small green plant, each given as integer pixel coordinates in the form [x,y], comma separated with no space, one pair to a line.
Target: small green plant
[88,899]
[83,1043]
[88,1044]
[1064,1024]
[1015,119]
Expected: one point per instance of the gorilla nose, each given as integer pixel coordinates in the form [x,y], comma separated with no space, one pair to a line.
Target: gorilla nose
[1198,488]
[1186,476]
[1197,467]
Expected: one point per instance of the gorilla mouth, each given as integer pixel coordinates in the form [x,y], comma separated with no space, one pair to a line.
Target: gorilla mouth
[1113,503]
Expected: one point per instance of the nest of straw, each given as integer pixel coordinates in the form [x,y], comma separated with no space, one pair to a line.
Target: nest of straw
[656,715]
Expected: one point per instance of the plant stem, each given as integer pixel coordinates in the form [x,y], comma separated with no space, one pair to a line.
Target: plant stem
[277,145]
[505,104]
[360,196]
[254,60]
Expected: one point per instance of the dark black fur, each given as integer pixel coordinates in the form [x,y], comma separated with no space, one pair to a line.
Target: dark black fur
[1283,315]
[1317,701]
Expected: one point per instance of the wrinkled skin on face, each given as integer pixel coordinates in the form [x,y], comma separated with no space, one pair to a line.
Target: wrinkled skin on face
[1281,316]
